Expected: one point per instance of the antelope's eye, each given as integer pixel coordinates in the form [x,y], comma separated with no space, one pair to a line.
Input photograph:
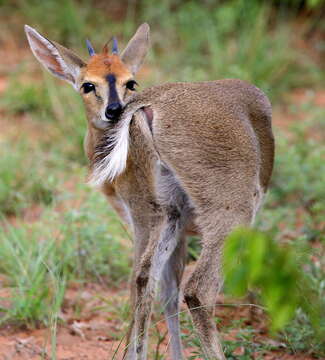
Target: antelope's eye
[131,85]
[88,87]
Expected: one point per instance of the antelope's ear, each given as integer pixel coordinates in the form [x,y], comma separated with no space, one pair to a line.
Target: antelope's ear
[136,49]
[60,61]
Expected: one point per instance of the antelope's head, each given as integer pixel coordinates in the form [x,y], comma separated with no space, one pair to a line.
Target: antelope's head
[105,81]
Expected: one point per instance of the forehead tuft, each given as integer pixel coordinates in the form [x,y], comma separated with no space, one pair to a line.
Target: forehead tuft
[101,64]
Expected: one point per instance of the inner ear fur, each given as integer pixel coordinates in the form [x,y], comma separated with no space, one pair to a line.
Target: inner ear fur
[57,59]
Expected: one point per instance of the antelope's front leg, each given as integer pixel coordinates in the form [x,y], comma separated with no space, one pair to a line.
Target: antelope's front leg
[152,264]
[141,240]
[141,267]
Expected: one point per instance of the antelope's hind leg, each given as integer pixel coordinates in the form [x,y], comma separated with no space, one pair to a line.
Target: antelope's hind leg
[156,264]
[205,282]
[222,195]
[169,296]
[149,273]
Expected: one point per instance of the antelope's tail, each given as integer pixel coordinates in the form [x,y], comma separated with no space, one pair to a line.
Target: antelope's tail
[113,155]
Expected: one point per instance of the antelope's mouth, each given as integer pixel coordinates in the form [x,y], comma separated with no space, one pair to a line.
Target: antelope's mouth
[104,123]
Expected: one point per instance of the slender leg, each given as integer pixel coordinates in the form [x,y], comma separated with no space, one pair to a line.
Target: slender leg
[149,273]
[169,295]
[205,282]
[199,294]
[141,240]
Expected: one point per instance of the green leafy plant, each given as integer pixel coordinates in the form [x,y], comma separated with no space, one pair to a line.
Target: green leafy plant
[253,261]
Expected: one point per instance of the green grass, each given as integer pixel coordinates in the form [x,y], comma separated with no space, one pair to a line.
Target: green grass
[39,259]
[34,279]
[232,40]
[24,178]
[49,102]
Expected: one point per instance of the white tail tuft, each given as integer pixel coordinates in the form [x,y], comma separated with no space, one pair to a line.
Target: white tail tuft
[114,163]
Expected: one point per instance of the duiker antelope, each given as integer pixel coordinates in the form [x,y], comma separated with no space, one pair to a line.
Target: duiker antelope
[172,159]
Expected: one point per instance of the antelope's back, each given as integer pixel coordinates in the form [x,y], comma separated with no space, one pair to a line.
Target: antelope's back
[224,122]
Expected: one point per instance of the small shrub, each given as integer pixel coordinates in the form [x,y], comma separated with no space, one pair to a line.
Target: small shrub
[252,261]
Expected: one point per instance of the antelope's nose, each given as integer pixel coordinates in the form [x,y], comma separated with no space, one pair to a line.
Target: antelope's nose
[113,111]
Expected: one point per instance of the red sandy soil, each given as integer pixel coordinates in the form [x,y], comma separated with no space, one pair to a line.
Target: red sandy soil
[79,336]
[90,329]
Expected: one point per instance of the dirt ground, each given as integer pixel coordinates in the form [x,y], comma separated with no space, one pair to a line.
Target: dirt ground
[91,334]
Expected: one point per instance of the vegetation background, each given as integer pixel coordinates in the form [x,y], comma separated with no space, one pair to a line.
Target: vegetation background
[65,256]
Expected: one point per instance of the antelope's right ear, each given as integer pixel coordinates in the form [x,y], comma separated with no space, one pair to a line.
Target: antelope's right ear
[60,61]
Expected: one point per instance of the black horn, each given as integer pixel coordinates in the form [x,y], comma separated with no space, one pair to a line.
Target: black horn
[114,47]
[90,48]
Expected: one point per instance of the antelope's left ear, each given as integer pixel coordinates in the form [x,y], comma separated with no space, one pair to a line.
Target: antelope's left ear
[57,59]
[136,49]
